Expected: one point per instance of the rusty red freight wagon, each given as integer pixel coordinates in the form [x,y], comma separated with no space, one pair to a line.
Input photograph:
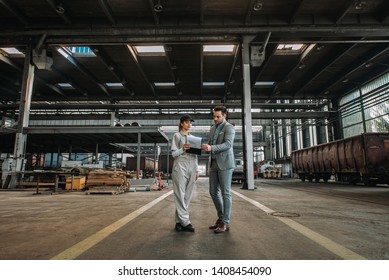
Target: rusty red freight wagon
[362,158]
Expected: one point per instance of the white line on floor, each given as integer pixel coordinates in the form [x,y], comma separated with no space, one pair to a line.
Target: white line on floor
[327,243]
[79,248]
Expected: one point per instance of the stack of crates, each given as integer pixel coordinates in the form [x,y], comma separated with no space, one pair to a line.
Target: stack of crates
[78,183]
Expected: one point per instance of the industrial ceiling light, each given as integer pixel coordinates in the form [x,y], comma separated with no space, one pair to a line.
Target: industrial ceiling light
[258,6]
[59,8]
[359,4]
[158,7]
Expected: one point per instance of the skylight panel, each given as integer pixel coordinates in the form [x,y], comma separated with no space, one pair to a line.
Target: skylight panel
[65,85]
[264,84]
[12,52]
[150,50]
[213,84]
[164,84]
[228,49]
[290,49]
[114,85]
[64,52]
[81,51]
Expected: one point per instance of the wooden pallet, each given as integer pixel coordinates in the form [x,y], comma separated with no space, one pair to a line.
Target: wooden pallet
[105,189]
[107,181]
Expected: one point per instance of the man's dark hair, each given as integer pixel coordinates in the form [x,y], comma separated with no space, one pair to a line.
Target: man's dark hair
[221,108]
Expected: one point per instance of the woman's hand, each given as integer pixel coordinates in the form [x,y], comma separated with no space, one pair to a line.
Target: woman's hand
[185,147]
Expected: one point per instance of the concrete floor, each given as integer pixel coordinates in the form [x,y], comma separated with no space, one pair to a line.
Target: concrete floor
[279,220]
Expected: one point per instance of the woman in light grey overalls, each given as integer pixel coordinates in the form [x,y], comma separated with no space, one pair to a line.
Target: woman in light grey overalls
[184,174]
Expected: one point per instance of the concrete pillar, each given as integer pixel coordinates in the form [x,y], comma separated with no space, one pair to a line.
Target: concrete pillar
[138,156]
[24,115]
[155,159]
[247,130]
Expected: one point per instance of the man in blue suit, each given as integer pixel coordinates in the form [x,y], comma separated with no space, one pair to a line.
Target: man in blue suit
[222,164]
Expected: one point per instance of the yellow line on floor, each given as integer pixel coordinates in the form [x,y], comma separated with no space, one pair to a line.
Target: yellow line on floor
[79,248]
[323,241]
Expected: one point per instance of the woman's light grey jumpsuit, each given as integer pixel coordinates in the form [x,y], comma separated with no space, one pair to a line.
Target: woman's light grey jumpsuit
[184,177]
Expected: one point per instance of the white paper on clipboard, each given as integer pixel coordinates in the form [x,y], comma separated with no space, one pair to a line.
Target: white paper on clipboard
[195,144]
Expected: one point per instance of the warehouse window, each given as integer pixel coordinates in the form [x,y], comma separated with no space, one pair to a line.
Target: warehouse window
[290,49]
[65,86]
[264,84]
[164,84]
[149,50]
[114,85]
[81,51]
[213,84]
[366,109]
[218,49]
[11,52]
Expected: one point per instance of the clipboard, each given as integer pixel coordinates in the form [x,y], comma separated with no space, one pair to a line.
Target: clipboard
[195,144]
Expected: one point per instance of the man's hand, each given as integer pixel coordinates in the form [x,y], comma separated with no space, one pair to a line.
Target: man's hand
[206,147]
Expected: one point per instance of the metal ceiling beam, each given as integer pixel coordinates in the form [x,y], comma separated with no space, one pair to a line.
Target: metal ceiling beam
[232,69]
[249,12]
[155,16]
[173,72]
[333,58]
[107,11]
[114,69]
[5,89]
[357,64]
[39,79]
[52,87]
[167,120]
[15,11]
[315,30]
[343,12]
[264,65]
[68,80]
[108,40]
[10,40]
[93,130]
[287,78]
[140,69]
[285,115]
[12,80]
[202,9]
[137,106]
[63,14]
[85,71]
[8,61]
[295,11]
[233,115]
[382,12]
[201,70]
[185,39]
